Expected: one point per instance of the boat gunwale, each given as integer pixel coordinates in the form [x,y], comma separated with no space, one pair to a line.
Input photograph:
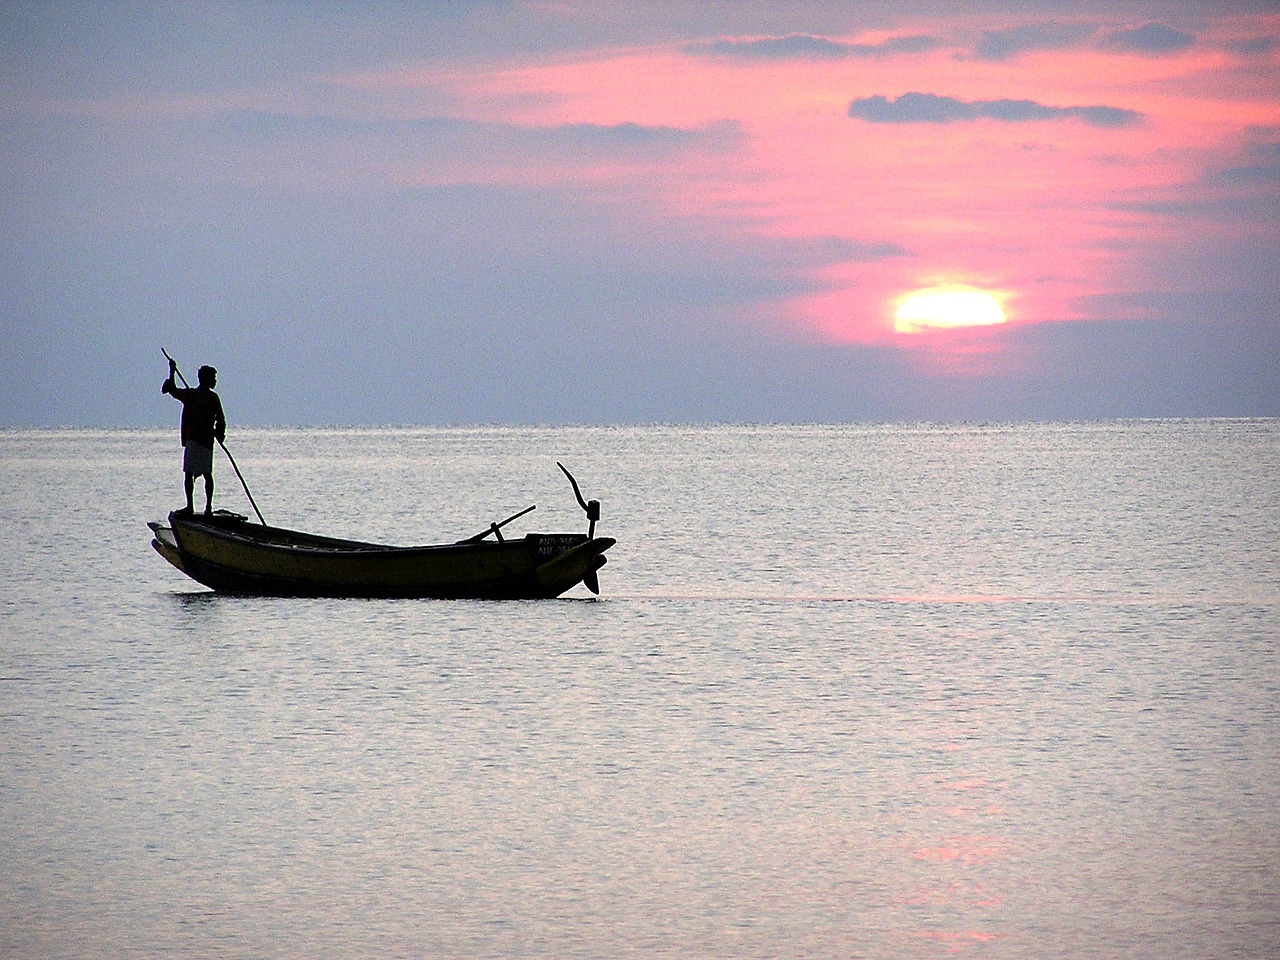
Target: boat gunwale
[297,541]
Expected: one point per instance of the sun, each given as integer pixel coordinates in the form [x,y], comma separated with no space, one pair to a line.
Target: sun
[945,308]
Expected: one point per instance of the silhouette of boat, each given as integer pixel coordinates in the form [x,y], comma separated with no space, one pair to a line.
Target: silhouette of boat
[231,554]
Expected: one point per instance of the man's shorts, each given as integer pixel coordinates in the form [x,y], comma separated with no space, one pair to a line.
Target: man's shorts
[197,459]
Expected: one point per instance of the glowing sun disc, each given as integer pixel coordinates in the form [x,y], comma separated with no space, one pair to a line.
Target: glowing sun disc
[946,308]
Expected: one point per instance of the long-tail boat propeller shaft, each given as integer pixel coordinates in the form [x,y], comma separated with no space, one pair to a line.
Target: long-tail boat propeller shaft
[590,507]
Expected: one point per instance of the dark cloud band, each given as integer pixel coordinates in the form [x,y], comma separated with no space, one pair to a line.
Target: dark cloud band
[802,46]
[1150,39]
[932,108]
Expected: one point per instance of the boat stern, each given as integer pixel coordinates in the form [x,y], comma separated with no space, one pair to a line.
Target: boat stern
[572,559]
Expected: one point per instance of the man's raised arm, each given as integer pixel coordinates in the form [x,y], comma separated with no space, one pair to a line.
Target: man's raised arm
[169,386]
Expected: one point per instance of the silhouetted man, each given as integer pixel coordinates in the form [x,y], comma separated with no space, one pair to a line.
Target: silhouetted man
[202,423]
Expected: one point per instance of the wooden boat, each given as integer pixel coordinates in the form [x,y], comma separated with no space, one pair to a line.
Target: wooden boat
[231,554]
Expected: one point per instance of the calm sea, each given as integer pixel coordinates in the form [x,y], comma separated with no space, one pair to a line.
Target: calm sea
[1006,691]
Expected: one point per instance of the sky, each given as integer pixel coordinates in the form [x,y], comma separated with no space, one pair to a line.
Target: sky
[615,212]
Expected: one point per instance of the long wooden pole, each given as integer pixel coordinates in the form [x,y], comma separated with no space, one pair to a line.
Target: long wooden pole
[234,466]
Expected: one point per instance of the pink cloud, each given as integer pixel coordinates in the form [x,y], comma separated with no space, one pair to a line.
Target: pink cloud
[1014,197]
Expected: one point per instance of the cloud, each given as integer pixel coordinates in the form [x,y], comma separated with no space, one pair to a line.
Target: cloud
[409,139]
[629,136]
[1006,44]
[1152,39]
[801,46]
[846,250]
[1252,46]
[1260,164]
[931,108]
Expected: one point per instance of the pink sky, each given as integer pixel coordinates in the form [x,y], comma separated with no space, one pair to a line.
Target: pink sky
[1027,210]
[752,184]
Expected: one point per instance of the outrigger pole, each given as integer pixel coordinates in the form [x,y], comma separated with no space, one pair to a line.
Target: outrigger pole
[234,467]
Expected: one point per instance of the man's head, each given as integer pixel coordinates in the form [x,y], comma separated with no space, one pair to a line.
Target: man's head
[207,376]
